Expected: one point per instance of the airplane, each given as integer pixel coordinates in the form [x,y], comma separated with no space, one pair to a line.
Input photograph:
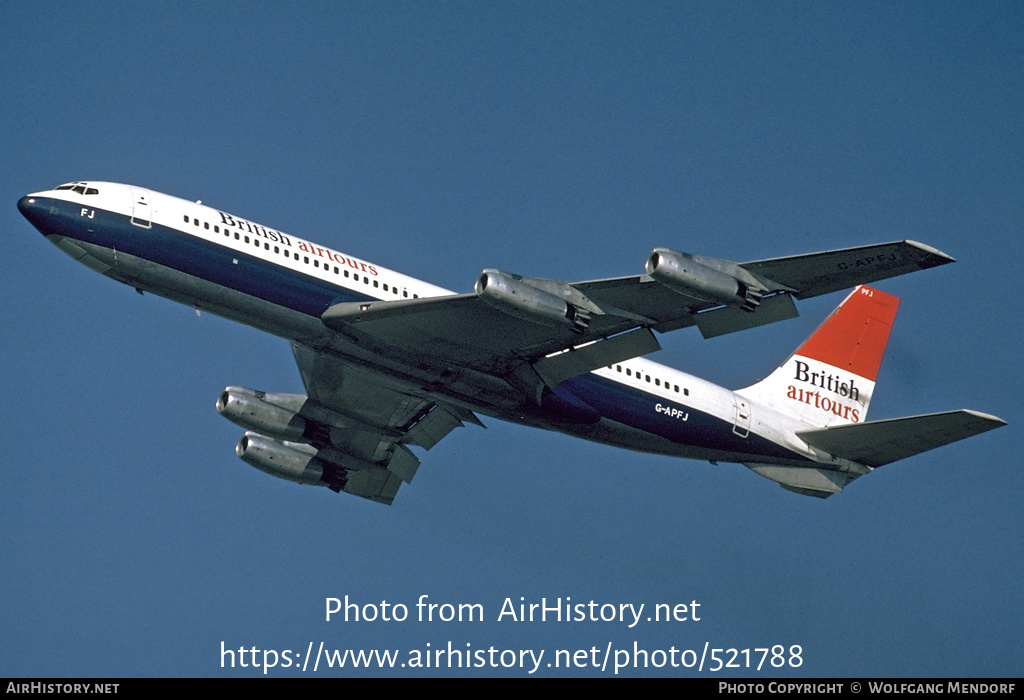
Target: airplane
[390,362]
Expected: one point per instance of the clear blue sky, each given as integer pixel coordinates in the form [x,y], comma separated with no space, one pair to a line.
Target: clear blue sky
[551,139]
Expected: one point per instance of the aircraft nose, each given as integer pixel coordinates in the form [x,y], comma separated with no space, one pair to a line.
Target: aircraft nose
[33,209]
[25,205]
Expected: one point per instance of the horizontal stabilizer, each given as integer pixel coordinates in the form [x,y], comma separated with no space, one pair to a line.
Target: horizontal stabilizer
[880,442]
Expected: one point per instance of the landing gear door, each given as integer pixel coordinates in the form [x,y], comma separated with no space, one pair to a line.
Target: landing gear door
[142,215]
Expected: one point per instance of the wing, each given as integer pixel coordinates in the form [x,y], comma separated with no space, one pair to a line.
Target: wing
[801,276]
[833,270]
[364,424]
[463,330]
[512,320]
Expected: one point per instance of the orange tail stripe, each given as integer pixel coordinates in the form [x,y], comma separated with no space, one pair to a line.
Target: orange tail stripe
[854,337]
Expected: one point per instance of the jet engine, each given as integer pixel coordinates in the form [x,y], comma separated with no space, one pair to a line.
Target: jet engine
[252,411]
[294,462]
[684,274]
[511,294]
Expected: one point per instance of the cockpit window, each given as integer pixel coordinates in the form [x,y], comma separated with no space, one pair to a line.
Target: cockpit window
[79,187]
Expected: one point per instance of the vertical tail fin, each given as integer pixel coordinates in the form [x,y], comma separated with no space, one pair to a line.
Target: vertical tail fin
[830,378]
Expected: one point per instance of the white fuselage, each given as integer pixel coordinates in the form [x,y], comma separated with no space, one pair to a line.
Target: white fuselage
[281,284]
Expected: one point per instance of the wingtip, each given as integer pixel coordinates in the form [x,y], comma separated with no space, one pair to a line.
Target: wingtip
[996,421]
[932,257]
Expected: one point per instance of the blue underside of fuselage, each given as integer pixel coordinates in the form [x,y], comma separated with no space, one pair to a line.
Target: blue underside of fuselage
[206,260]
[312,296]
[636,408]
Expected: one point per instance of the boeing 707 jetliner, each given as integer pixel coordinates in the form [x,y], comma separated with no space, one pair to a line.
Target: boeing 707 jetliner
[389,361]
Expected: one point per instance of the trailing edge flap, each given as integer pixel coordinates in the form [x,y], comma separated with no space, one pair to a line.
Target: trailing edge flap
[880,442]
[730,319]
[555,369]
[378,485]
[404,463]
[430,429]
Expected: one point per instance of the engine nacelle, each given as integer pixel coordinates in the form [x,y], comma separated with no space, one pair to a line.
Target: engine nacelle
[282,461]
[681,273]
[509,293]
[248,409]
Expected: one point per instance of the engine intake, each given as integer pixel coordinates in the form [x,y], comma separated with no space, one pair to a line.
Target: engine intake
[250,410]
[683,274]
[510,294]
[282,461]
[291,462]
